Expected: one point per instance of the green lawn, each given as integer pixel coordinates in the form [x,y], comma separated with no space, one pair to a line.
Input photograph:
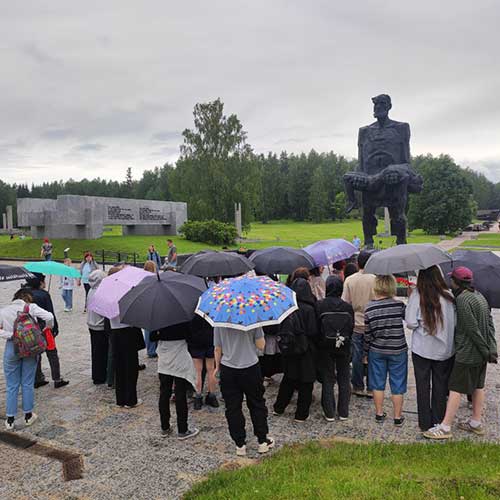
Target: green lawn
[461,470]
[484,240]
[285,233]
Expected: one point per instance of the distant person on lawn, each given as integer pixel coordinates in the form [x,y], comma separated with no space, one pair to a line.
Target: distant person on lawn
[356,242]
[475,347]
[46,249]
[358,291]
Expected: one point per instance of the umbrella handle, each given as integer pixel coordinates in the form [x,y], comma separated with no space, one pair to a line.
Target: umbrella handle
[50,281]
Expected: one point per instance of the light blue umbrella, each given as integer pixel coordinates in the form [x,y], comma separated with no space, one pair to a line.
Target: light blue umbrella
[52,267]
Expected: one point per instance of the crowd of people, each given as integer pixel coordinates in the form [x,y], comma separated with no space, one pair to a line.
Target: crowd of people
[348,334]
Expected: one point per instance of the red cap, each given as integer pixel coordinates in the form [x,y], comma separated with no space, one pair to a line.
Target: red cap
[46,240]
[462,274]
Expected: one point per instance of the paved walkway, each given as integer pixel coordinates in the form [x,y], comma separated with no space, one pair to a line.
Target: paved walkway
[124,455]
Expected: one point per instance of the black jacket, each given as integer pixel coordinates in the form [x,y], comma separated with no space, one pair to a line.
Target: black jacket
[42,299]
[333,303]
[201,333]
[180,331]
[303,368]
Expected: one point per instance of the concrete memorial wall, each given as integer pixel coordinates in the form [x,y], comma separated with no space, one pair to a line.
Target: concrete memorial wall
[84,217]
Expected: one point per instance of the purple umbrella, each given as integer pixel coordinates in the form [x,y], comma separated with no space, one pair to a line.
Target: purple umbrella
[113,288]
[327,252]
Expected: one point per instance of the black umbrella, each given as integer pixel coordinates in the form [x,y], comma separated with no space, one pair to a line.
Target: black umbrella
[207,264]
[281,260]
[12,273]
[161,300]
[486,269]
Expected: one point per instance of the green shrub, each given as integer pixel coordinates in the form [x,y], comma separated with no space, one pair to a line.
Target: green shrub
[212,232]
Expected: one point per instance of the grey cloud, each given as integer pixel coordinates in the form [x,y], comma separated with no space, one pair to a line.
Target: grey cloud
[91,147]
[57,133]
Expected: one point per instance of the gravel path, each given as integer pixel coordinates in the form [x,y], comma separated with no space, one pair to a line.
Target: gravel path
[124,455]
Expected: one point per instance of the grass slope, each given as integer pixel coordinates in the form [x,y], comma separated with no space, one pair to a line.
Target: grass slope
[461,470]
[287,233]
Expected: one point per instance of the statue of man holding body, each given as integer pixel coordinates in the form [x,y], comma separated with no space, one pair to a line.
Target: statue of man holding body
[384,174]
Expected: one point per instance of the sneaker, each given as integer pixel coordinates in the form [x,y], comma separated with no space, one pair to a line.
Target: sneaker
[466,426]
[139,403]
[188,434]
[9,425]
[380,418]
[437,432]
[60,383]
[300,420]
[166,432]
[241,451]
[277,413]
[66,310]
[266,445]
[398,422]
[329,419]
[142,366]
[31,420]
[211,400]
[358,392]
[198,403]
[41,383]
[343,419]
[152,356]
[369,394]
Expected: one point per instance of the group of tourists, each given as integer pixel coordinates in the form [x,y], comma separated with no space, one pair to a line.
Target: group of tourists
[348,334]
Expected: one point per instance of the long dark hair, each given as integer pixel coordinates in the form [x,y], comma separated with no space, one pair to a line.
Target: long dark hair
[431,287]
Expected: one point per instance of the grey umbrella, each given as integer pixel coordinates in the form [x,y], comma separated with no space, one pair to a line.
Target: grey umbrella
[281,260]
[405,258]
[207,264]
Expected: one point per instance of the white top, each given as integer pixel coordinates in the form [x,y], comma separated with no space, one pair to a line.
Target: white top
[437,347]
[66,283]
[8,316]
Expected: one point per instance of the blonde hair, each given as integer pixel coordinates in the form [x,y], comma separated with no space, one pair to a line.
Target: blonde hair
[68,261]
[385,286]
[150,266]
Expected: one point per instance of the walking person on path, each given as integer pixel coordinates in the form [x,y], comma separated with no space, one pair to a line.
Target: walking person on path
[171,259]
[177,373]
[19,372]
[358,291]
[430,314]
[67,285]
[475,347]
[46,249]
[240,376]
[385,348]
[336,319]
[87,266]
[41,298]
[154,256]
[299,370]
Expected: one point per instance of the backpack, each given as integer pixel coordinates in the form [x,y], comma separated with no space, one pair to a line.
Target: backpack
[292,339]
[336,328]
[28,339]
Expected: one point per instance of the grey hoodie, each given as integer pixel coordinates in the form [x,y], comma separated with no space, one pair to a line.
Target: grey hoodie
[95,321]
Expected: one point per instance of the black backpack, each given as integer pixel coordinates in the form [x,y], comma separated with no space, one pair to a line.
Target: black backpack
[335,325]
[292,339]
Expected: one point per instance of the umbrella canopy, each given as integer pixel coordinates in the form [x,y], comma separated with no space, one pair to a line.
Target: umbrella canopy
[210,264]
[161,300]
[52,267]
[486,269]
[12,273]
[329,251]
[405,258]
[113,288]
[281,260]
[247,302]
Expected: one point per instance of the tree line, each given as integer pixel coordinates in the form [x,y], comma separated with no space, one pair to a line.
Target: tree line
[217,168]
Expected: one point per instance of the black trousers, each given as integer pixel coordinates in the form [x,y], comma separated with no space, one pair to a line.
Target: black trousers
[55,369]
[304,398]
[99,345]
[126,362]
[86,286]
[335,366]
[181,407]
[431,401]
[235,383]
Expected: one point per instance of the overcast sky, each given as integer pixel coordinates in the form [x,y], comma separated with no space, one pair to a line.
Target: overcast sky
[90,88]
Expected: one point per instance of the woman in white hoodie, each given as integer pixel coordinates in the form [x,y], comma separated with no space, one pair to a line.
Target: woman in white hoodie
[431,315]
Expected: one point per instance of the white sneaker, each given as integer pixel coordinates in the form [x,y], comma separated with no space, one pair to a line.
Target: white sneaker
[343,419]
[329,419]
[66,310]
[9,427]
[139,403]
[266,445]
[241,451]
[31,420]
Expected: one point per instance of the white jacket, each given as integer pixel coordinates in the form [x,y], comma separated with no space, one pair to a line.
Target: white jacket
[8,316]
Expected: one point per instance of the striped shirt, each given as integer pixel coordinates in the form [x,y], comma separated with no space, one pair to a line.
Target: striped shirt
[384,331]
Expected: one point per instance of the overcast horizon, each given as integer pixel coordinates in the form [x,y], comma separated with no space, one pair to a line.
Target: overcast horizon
[89,89]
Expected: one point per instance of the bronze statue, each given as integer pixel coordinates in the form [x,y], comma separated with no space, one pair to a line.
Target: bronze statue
[384,174]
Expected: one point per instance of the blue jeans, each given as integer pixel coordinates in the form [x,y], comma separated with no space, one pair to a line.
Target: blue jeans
[48,257]
[67,296]
[358,368]
[150,346]
[394,365]
[19,372]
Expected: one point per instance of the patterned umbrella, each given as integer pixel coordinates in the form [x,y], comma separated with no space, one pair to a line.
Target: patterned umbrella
[247,302]
[327,252]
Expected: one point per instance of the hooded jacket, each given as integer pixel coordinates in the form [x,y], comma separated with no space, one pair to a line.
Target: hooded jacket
[95,321]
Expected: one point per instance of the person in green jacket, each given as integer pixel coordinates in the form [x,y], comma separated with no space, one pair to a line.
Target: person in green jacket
[475,347]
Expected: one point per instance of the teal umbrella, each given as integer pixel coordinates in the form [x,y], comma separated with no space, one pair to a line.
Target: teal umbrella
[51,267]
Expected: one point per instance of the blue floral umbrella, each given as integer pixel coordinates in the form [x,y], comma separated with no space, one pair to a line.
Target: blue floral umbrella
[247,302]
